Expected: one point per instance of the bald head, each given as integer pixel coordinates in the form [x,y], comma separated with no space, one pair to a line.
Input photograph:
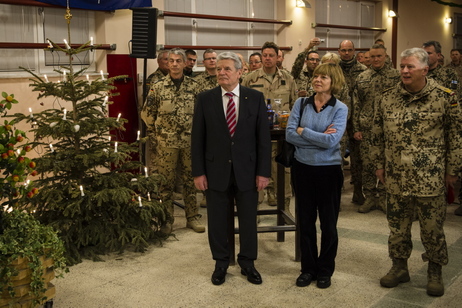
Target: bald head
[346,50]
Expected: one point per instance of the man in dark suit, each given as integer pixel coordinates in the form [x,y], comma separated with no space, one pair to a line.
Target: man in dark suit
[231,160]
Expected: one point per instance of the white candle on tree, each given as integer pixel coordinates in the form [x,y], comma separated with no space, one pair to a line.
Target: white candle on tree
[67,45]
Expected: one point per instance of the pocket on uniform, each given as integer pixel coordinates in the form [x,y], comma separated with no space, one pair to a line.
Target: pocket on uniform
[166,106]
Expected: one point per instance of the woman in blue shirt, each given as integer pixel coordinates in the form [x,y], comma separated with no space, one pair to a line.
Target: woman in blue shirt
[317,176]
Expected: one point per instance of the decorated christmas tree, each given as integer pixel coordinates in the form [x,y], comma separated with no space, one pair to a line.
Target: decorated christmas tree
[91,190]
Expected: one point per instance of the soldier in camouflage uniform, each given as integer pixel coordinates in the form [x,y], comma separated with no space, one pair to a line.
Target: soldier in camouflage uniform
[456,62]
[303,80]
[191,59]
[161,71]
[297,67]
[274,83]
[351,69]
[168,113]
[208,79]
[279,61]
[445,76]
[417,150]
[368,88]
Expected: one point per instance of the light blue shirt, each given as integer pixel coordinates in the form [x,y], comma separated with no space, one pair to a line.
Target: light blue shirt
[313,147]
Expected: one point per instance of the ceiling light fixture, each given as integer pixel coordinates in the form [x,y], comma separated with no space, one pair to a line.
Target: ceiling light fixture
[302,3]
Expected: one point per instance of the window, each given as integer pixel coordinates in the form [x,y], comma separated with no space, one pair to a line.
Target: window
[348,13]
[34,25]
[185,31]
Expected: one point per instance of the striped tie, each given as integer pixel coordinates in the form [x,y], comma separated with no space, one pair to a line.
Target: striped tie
[231,114]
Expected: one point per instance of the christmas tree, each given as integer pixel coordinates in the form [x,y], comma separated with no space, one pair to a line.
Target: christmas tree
[91,191]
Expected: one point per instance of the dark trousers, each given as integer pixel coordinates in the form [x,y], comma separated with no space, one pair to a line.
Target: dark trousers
[218,209]
[317,190]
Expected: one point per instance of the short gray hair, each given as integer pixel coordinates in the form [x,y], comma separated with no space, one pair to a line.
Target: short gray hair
[228,55]
[418,53]
[179,52]
[378,46]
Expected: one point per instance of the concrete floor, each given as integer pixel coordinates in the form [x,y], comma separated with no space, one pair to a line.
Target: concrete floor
[177,273]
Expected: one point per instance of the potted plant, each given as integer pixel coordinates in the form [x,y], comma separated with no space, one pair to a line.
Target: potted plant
[30,253]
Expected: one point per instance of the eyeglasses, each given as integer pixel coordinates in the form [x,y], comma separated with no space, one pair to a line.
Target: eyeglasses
[346,50]
[256,62]
[208,59]
[314,59]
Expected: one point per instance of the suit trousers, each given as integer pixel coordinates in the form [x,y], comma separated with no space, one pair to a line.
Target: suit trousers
[218,209]
[317,190]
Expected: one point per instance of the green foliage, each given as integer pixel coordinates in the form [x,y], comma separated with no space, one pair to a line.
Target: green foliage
[24,237]
[89,192]
[15,166]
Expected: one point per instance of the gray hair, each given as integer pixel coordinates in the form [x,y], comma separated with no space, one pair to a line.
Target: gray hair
[418,53]
[179,52]
[228,55]
[161,52]
[435,44]
[379,46]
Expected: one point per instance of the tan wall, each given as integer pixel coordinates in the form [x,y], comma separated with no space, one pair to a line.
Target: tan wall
[419,20]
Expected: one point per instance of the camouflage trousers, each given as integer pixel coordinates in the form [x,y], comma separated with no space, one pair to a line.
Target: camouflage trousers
[167,162]
[371,185]
[355,158]
[431,213]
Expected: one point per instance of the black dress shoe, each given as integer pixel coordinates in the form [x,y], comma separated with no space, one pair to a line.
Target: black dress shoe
[304,280]
[323,282]
[252,274]
[218,276]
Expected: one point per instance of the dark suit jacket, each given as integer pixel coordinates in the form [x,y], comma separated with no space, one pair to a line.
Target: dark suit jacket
[214,151]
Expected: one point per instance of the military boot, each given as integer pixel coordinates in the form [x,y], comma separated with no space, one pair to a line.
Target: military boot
[358,196]
[195,224]
[398,273]
[368,205]
[435,285]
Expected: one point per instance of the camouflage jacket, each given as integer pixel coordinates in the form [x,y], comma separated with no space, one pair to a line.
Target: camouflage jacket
[447,77]
[153,78]
[282,86]
[205,81]
[168,112]
[299,62]
[417,139]
[368,88]
[351,70]
[303,80]
[457,68]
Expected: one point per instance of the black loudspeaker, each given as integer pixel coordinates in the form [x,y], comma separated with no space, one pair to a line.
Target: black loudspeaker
[144,32]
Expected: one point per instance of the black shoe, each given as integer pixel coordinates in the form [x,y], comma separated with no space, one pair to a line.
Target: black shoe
[218,276]
[304,280]
[323,282]
[252,274]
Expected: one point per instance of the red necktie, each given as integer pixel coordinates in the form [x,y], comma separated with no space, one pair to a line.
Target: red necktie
[231,114]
